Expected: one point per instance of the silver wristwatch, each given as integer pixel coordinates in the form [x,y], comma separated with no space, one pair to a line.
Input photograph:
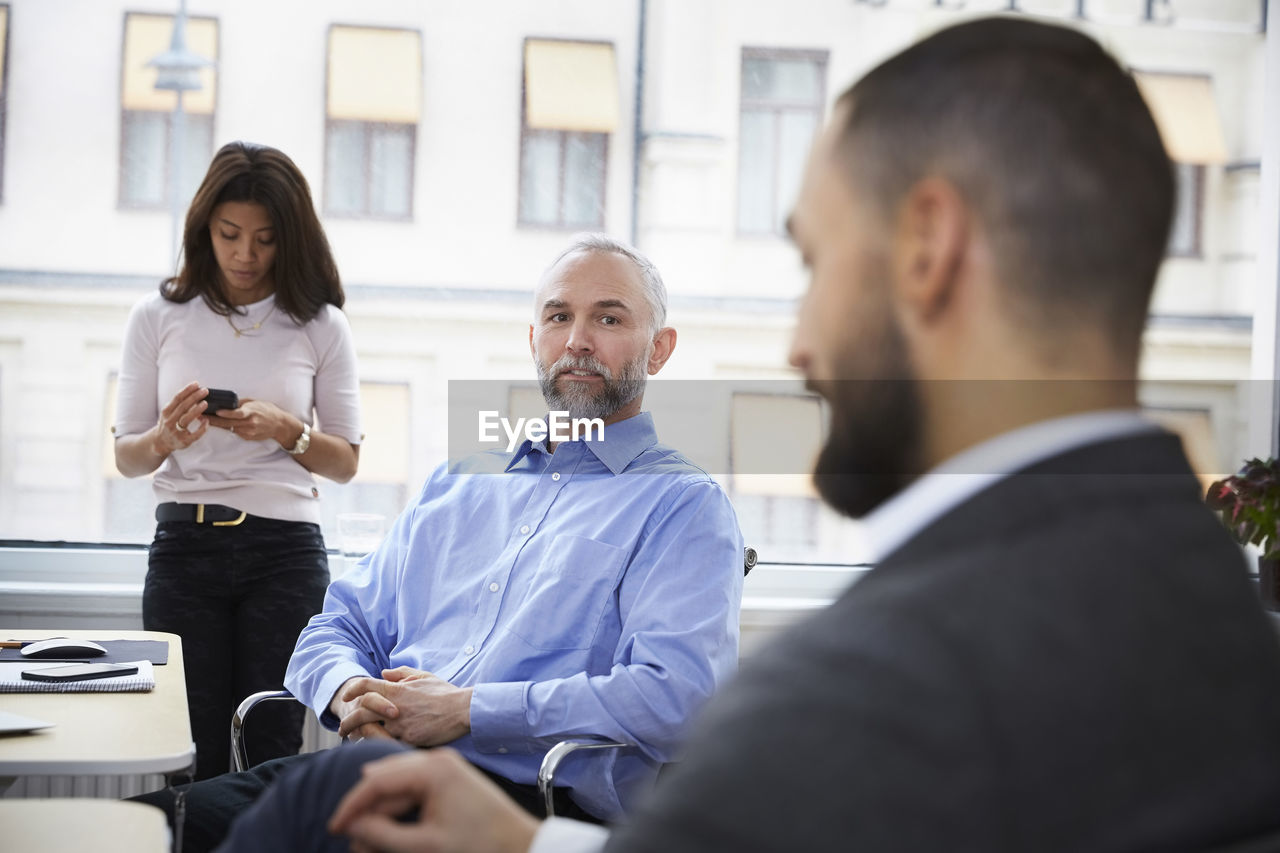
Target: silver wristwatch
[304,441]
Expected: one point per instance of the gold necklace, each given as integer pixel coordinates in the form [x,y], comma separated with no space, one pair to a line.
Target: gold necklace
[255,327]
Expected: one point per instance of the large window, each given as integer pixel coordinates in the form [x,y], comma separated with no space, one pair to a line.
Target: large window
[783,92]
[570,108]
[147,116]
[450,169]
[373,106]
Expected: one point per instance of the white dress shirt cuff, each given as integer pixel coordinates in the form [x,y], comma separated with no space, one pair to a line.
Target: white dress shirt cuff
[561,835]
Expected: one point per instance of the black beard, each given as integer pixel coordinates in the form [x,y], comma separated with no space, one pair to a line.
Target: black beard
[872,451]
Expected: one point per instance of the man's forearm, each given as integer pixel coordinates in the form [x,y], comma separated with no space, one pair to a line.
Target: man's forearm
[317,678]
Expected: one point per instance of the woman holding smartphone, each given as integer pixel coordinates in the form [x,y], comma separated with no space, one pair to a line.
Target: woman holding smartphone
[238,564]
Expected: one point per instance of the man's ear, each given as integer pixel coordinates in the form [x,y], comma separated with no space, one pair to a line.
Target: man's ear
[664,343]
[533,352]
[929,246]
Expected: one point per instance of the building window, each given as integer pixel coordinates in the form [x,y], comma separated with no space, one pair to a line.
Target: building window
[4,81]
[1184,236]
[1186,113]
[783,96]
[147,113]
[381,485]
[373,106]
[570,107]
[773,442]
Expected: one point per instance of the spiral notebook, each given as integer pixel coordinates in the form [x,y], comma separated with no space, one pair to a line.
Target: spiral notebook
[11,680]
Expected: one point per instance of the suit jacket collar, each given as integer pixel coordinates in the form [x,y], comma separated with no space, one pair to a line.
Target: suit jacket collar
[1103,478]
[967,473]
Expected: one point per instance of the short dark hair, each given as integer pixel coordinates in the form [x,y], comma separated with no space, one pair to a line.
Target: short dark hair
[1048,138]
[306,276]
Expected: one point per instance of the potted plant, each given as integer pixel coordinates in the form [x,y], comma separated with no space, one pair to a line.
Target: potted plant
[1249,504]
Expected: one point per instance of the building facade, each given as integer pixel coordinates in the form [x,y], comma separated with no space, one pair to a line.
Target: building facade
[453,147]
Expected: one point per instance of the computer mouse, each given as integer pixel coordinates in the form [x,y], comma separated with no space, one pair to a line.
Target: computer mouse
[61,647]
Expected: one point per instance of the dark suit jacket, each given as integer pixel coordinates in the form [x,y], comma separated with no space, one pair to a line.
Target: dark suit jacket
[1073,659]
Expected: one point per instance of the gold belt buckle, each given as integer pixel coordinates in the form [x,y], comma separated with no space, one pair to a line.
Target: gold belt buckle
[232,523]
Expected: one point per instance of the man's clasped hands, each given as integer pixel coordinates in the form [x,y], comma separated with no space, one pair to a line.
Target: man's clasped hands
[419,708]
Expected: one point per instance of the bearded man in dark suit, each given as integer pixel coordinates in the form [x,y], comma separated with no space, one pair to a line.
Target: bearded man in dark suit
[1059,648]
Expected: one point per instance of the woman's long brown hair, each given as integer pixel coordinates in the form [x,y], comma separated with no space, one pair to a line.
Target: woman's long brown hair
[306,277]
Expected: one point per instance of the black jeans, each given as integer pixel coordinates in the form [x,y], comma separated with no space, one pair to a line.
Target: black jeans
[238,596]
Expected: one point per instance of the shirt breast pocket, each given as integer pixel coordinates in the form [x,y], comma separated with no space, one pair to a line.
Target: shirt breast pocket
[568,594]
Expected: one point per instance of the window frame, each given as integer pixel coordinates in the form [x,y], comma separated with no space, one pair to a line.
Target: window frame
[167,167]
[1194,251]
[562,143]
[368,128]
[818,56]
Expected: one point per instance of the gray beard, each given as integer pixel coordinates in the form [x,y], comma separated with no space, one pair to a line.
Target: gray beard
[580,401]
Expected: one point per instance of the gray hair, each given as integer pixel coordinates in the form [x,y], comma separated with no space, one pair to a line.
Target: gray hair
[655,292]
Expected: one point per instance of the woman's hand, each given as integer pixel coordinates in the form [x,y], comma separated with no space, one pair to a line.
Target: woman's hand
[181,424]
[259,420]
[173,431]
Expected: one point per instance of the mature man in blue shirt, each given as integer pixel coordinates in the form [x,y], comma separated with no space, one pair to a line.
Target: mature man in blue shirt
[585,588]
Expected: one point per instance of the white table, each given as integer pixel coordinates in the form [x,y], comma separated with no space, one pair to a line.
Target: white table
[73,826]
[102,733]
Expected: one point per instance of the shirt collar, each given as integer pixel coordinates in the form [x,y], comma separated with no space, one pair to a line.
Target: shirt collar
[622,443]
[957,479]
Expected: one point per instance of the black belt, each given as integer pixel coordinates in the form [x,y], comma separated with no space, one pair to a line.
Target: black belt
[215,514]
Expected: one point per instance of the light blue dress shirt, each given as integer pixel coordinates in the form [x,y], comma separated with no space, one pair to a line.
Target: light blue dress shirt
[593,591]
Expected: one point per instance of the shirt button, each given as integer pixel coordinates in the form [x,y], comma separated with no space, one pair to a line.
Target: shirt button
[524,529]
[502,750]
[493,587]
[471,650]
[555,476]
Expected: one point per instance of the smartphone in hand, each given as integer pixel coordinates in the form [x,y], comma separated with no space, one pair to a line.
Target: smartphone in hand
[78,672]
[220,398]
